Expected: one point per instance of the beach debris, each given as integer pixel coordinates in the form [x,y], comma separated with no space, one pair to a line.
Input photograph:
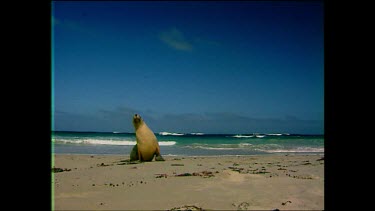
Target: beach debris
[281,169]
[284,203]
[263,171]
[204,174]
[56,170]
[186,208]
[128,162]
[177,164]
[303,177]
[239,170]
[249,171]
[102,164]
[275,210]
[111,184]
[241,206]
[184,175]
[322,158]
[161,176]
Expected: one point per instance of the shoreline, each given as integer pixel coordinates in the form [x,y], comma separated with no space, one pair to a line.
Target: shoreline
[244,182]
[240,155]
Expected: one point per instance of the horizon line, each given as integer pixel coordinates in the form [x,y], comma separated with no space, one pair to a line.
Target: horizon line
[258,133]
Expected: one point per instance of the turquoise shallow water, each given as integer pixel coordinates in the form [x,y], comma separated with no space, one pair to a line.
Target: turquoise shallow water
[196,144]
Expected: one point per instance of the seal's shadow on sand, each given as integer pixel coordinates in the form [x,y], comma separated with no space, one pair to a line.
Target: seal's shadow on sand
[128,162]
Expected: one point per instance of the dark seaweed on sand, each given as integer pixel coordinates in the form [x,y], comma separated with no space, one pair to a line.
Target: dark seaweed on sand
[186,207]
[56,170]
[128,162]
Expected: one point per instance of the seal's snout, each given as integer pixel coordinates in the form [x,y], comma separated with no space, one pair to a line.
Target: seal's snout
[136,119]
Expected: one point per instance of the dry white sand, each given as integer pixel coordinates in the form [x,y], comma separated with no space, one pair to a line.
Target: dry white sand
[262,182]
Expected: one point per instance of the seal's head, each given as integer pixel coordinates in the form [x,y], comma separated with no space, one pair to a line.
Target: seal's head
[137,120]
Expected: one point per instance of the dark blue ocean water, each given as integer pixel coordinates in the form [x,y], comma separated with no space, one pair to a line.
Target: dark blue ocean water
[197,144]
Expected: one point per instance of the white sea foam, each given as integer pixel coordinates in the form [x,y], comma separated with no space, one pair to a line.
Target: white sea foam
[274,134]
[248,136]
[213,148]
[170,134]
[220,146]
[270,148]
[172,155]
[167,143]
[299,149]
[95,141]
[245,144]
[107,142]
[243,136]
[197,134]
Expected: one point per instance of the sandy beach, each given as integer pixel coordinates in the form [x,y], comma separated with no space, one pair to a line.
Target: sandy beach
[259,182]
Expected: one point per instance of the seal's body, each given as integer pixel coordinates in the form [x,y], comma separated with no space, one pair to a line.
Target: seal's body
[147,145]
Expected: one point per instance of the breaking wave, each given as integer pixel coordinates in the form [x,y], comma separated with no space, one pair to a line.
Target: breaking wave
[106,142]
[170,134]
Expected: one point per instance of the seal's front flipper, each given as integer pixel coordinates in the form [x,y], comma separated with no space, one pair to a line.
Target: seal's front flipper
[134,153]
[159,158]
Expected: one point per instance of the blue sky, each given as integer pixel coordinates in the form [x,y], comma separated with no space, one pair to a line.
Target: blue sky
[212,67]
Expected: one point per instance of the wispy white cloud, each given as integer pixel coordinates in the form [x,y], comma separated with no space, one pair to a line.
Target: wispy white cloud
[175,39]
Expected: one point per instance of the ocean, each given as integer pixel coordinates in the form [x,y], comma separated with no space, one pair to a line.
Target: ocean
[191,144]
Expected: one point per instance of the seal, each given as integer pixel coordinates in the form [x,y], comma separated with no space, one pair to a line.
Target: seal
[147,145]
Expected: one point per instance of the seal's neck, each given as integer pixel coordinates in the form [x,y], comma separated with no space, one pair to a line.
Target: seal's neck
[140,125]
